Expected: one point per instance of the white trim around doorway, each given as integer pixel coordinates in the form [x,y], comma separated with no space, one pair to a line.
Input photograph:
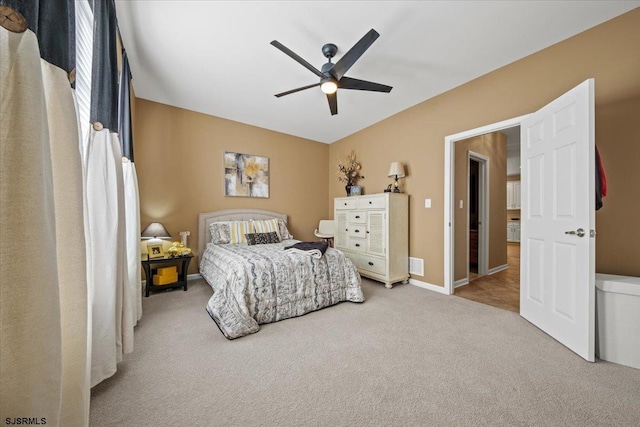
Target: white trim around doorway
[449,185]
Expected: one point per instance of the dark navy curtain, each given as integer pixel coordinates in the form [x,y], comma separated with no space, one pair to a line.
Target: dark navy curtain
[54,23]
[124,109]
[104,75]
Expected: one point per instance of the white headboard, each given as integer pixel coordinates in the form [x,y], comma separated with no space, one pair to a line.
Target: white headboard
[205,219]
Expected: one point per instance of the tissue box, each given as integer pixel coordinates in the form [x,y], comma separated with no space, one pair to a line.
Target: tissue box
[165,279]
[167,271]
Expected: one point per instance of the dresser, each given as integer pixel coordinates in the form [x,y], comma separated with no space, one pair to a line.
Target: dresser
[373,231]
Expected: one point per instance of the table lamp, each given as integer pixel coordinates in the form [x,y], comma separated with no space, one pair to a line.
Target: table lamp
[154,233]
[396,170]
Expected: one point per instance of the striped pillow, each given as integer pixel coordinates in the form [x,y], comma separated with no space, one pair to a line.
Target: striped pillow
[267,226]
[237,231]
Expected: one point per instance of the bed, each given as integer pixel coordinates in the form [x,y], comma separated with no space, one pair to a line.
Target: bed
[264,283]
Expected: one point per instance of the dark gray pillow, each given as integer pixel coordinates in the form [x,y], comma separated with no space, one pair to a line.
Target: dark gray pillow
[262,238]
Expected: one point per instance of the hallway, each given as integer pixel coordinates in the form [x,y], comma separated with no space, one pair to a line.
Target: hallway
[500,290]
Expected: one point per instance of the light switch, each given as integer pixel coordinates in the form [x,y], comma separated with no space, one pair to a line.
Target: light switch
[461,204]
[427,203]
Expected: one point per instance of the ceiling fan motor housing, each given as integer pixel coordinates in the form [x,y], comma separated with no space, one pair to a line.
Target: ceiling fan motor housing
[326,69]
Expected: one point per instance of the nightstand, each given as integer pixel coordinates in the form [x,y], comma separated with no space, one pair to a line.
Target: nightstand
[150,267]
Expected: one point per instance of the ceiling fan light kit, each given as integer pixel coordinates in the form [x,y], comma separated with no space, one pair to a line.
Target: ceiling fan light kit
[329,85]
[332,76]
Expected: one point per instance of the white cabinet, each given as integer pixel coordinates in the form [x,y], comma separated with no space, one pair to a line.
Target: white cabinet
[513,194]
[373,231]
[513,231]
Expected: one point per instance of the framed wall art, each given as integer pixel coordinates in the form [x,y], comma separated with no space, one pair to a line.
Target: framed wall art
[246,175]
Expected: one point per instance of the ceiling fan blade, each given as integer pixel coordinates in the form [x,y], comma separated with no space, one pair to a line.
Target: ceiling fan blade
[333,102]
[349,58]
[356,84]
[296,90]
[297,58]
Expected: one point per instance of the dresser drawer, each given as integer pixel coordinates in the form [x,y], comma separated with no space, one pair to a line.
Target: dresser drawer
[345,203]
[357,230]
[357,217]
[373,264]
[373,202]
[358,245]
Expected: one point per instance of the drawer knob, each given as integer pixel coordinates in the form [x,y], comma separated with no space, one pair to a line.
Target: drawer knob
[357,231]
[357,216]
[370,263]
[345,204]
[357,245]
[369,202]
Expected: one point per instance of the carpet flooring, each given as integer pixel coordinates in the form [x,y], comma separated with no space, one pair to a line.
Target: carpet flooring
[405,357]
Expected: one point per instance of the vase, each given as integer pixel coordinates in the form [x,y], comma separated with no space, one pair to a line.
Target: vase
[348,189]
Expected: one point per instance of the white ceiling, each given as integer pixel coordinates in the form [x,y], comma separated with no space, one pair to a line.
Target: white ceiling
[214,57]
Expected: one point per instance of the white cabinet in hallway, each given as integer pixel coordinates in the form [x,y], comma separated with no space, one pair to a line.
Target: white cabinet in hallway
[373,231]
[513,231]
[513,194]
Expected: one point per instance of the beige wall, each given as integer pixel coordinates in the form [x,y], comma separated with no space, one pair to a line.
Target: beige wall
[617,225]
[608,53]
[179,160]
[494,146]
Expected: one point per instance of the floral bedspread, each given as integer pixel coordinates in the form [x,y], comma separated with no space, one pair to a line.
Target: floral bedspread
[264,283]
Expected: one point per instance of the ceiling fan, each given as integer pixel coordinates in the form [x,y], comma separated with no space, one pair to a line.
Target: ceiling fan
[332,76]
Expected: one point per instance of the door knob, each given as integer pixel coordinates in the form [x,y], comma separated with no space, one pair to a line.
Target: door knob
[579,232]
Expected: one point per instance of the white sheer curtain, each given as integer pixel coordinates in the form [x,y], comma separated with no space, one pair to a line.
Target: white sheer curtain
[43,302]
[111,217]
[132,211]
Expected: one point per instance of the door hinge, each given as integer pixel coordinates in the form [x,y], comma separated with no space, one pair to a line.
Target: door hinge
[592,233]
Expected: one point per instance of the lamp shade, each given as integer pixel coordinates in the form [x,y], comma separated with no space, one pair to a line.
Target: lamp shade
[396,170]
[155,230]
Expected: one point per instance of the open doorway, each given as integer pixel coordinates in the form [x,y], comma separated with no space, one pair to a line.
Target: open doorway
[491,215]
[477,212]
[474,217]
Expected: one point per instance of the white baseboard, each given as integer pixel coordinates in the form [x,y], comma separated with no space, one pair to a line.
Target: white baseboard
[497,269]
[428,286]
[461,282]
[194,276]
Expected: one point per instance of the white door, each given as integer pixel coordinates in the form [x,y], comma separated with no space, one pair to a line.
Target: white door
[557,273]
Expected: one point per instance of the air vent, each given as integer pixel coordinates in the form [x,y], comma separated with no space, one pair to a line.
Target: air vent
[416,266]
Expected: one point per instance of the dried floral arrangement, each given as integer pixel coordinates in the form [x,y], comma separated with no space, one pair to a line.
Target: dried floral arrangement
[349,170]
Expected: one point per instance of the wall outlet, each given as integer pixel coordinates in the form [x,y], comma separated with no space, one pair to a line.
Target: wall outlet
[427,203]
[461,204]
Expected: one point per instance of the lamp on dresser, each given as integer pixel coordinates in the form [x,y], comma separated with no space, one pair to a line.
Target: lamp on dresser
[396,170]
